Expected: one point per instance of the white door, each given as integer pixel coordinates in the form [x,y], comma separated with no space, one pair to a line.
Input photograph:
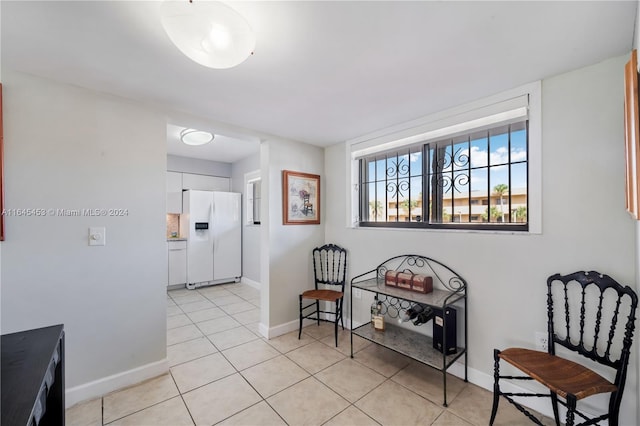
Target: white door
[227,231]
[200,242]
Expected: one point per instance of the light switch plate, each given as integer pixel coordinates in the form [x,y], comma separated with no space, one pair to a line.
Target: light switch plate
[97,236]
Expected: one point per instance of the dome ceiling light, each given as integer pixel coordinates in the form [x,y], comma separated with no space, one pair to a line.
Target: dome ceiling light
[208,32]
[195,137]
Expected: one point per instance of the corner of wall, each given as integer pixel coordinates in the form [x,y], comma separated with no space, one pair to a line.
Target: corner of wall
[636,33]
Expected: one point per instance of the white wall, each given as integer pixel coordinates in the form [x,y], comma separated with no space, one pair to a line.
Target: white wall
[71,148]
[250,233]
[0,241]
[636,32]
[636,44]
[286,249]
[584,222]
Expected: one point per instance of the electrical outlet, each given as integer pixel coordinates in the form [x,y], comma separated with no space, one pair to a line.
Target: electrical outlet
[542,341]
[357,293]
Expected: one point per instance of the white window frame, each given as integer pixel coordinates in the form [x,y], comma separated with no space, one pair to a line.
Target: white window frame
[250,179]
[454,118]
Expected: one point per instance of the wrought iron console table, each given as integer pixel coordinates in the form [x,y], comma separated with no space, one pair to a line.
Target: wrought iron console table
[449,290]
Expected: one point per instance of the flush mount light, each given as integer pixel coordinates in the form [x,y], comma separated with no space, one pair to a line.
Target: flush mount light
[208,32]
[195,137]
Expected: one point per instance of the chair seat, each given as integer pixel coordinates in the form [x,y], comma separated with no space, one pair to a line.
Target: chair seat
[560,375]
[326,295]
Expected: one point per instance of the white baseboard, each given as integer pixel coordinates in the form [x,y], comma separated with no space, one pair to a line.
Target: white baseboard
[278,330]
[252,283]
[347,323]
[288,327]
[115,382]
[478,378]
[264,330]
[485,381]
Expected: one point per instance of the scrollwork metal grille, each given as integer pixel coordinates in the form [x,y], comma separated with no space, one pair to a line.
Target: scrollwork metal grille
[477,180]
[391,187]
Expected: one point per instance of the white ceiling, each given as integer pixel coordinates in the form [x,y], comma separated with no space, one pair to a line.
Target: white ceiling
[322,72]
[223,148]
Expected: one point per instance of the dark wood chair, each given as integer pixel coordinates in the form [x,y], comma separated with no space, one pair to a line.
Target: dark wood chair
[307,206]
[589,314]
[330,270]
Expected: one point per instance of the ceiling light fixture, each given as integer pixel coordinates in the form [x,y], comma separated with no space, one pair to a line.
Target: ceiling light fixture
[195,137]
[208,32]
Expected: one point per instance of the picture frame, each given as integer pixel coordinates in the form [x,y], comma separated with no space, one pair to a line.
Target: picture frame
[300,198]
[632,136]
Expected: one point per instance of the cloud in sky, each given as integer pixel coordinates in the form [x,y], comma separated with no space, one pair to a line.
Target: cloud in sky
[479,158]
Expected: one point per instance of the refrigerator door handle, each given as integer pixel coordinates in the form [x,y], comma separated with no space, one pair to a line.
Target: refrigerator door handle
[213,230]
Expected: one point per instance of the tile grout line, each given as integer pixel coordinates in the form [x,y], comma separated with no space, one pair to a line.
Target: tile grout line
[205,336]
[313,375]
[239,372]
[281,353]
[182,397]
[285,352]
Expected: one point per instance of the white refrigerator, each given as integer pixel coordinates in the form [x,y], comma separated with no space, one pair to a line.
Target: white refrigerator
[214,238]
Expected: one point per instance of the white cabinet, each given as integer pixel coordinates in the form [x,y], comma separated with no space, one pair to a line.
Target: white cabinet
[205,183]
[176,182]
[177,262]
[174,192]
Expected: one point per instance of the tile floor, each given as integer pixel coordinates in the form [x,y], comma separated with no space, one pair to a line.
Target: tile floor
[223,372]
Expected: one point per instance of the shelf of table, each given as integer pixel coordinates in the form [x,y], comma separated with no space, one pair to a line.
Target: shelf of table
[405,341]
[408,342]
[437,298]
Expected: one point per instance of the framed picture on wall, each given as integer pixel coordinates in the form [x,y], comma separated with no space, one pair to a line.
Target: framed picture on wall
[632,137]
[300,198]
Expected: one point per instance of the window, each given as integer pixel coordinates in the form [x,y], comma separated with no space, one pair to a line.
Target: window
[465,170]
[253,197]
[476,180]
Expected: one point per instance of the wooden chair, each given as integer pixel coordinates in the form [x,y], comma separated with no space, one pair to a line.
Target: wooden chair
[579,306]
[330,269]
[307,206]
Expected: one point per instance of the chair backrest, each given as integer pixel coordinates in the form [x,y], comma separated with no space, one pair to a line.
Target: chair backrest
[593,315]
[330,265]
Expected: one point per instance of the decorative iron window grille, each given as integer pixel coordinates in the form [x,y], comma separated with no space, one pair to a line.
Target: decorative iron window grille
[477,180]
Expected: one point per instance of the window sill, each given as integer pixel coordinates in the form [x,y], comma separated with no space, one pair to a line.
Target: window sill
[448,230]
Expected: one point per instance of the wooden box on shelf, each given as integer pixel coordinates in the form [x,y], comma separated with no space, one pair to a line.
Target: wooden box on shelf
[409,281]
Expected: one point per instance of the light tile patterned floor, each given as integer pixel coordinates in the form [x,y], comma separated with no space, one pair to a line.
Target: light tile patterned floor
[223,372]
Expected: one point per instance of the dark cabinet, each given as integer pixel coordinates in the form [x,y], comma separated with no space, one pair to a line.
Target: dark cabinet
[33,377]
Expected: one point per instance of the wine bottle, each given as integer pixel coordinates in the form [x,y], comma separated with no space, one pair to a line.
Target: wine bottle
[423,317]
[410,313]
[375,309]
